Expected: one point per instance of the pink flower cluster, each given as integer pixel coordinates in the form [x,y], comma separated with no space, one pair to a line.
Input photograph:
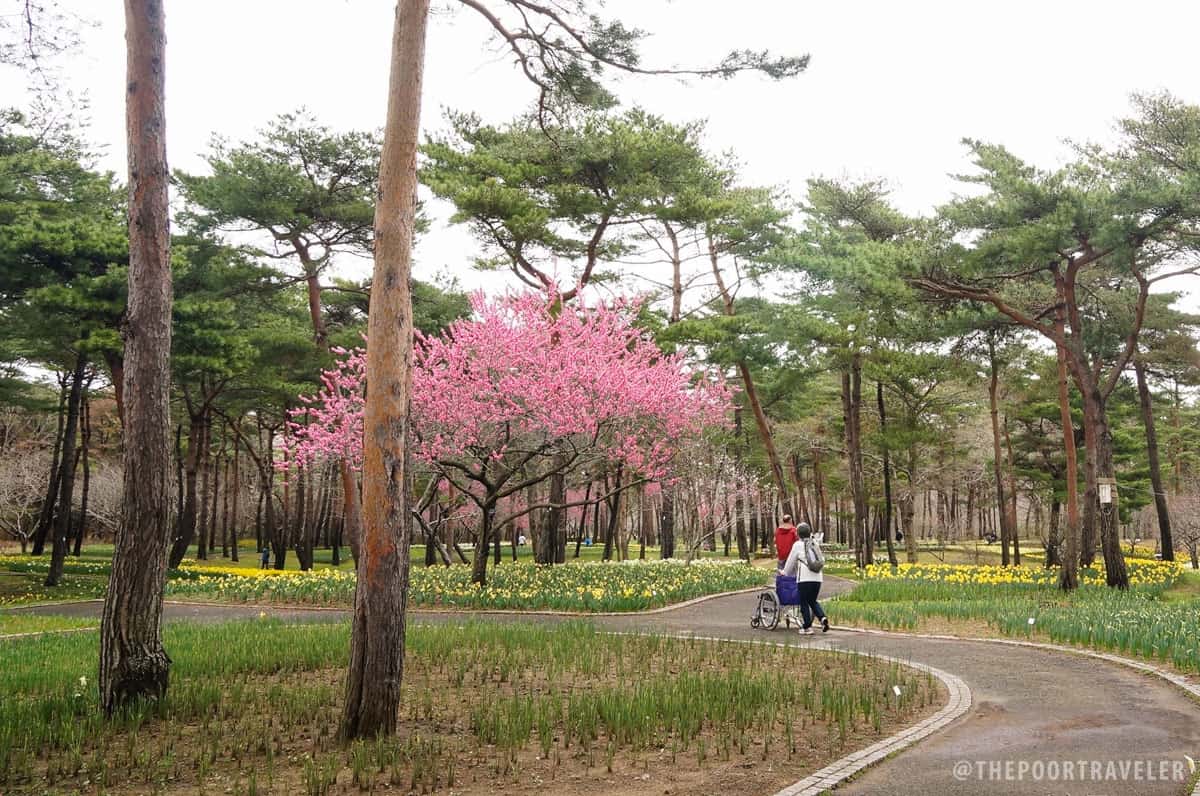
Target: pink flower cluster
[527,372]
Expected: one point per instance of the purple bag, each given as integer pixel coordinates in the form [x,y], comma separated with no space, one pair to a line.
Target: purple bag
[787,590]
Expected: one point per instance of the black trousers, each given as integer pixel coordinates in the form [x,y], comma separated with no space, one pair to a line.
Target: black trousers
[809,607]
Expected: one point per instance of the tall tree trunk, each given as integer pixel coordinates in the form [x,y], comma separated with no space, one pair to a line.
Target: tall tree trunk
[236,518]
[377,641]
[301,519]
[85,436]
[908,508]
[851,401]
[133,663]
[66,488]
[351,509]
[487,517]
[186,522]
[798,480]
[1012,495]
[204,468]
[547,539]
[1166,543]
[225,507]
[887,477]
[760,417]
[46,515]
[1054,534]
[666,524]
[997,456]
[1068,575]
[1115,573]
[614,504]
[739,519]
[582,518]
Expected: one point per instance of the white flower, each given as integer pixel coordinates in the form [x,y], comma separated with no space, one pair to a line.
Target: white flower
[83,682]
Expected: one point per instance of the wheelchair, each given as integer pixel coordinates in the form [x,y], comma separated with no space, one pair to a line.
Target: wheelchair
[780,603]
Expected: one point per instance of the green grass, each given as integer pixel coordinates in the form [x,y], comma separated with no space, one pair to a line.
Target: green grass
[253,707]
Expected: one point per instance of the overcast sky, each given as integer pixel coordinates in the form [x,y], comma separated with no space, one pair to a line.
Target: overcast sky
[891,89]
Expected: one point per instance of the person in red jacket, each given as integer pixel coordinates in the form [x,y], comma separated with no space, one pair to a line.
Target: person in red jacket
[785,537]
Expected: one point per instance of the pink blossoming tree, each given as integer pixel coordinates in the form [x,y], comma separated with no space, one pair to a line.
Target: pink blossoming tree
[528,390]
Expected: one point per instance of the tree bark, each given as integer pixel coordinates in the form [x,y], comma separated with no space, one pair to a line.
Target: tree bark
[997,456]
[85,437]
[547,539]
[666,524]
[887,477]
[46,515]
[1166,543]
[1012,495]
[851,401]
[1068,574]
[380,600]
[186,522]
[133,663]
[1054,534]
[66,487]
[203,469]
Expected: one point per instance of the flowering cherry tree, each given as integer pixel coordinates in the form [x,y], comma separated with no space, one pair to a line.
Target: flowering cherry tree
[528,389]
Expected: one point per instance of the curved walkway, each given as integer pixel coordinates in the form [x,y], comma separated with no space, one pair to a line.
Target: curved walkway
[1042,721]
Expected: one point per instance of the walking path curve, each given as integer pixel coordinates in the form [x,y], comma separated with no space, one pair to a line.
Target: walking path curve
[1041,720]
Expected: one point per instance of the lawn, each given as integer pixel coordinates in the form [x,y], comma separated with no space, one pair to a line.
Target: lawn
[253,709]
[1155,619]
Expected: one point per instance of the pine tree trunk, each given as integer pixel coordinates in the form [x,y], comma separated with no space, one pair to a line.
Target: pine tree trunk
[85,454]
[997,457]
[1166,543]
[66,488]
[380,600]
[1068,574]
[186,522]
[1053,536]
[887,477]
[46,515]
[1012,496]
[133,663]
[204,468]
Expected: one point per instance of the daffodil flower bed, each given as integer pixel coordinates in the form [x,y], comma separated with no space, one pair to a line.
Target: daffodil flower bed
[1025,602]
[1143,574]
[591,587]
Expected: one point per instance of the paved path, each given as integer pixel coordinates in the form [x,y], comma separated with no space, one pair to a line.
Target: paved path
[1034,711]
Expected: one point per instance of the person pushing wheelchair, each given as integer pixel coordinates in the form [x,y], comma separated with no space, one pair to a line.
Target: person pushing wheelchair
[805,563]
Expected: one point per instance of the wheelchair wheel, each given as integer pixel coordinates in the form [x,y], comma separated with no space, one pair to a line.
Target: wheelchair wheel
[769,610]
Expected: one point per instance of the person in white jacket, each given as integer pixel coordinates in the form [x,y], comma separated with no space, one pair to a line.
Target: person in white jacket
[808,582]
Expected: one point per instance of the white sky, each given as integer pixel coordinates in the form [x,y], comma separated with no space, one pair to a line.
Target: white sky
[892,87]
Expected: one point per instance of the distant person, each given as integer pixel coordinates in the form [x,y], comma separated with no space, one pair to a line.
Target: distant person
[785,539]
[265,560]
[521,540]
[806,563]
